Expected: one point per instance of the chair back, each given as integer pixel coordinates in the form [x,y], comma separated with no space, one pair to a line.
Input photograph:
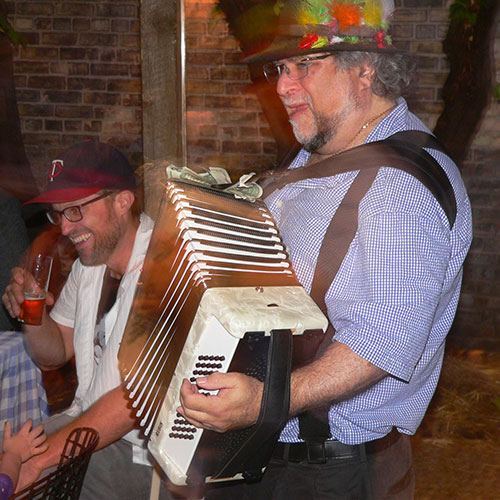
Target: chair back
[65,483]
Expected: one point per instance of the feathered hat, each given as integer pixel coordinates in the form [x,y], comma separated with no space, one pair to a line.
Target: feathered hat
[312,26]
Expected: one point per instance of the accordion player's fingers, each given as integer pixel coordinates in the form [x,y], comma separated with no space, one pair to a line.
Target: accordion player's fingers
[236,405]
[187,403]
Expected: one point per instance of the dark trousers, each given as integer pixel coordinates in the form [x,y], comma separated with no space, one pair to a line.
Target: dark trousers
[385,475]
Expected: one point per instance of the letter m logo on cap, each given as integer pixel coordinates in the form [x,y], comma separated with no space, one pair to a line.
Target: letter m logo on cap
[57,167]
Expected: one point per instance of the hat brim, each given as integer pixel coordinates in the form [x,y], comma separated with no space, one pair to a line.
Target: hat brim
[277,51]
[63,195]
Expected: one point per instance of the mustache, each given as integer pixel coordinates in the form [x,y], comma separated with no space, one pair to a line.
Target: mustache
[296,101]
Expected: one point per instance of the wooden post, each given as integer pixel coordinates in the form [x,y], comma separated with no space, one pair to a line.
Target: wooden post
[164,129]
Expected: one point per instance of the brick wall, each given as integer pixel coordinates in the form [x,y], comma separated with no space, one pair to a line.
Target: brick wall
[478,319]
[79,76]
[226,126]
[423,24]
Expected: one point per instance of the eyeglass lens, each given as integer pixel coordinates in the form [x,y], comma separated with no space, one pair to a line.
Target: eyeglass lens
[296,70]
[273,71]
[72,214]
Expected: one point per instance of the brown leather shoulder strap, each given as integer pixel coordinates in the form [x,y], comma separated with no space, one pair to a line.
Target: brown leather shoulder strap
[403,150]
[339,235]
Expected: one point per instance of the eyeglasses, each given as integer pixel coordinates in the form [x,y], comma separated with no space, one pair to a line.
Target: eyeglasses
[295,70]
[74,213]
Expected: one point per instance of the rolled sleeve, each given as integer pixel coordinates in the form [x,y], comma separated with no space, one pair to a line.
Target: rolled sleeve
[385,310]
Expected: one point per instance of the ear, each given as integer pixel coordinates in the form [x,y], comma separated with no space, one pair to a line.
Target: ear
[366,76]
[123,201]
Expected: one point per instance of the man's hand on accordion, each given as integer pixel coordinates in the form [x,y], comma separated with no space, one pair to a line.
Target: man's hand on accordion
[236,406]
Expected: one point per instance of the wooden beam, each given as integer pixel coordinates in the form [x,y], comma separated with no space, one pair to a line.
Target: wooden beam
[164,129]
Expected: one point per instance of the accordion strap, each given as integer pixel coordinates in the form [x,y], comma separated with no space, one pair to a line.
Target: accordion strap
[273,414]
[403,150]
[313,424]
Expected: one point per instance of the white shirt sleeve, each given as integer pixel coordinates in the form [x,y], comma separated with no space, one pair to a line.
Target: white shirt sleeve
[64,310]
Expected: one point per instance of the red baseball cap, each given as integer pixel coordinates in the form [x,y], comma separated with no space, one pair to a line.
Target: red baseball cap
[84,169]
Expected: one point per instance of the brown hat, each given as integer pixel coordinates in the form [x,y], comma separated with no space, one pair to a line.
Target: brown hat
[314,26]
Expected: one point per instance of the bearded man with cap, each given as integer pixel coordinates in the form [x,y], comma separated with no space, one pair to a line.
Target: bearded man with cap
[91,196]
[392,301]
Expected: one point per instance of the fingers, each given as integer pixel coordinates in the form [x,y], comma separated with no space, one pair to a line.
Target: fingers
[7,433]
[13,296]
[40,439]
[26,427]
[217,381]
[38,430]
[194,405]
[49,299]
[236,405]
[39,445]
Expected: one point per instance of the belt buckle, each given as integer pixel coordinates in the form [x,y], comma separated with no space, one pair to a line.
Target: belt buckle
[316,453]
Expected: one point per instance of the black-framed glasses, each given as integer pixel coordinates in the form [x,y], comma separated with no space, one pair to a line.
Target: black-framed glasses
[73,213]
[296,70]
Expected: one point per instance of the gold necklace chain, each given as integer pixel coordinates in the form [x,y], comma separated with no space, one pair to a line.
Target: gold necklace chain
[366,125]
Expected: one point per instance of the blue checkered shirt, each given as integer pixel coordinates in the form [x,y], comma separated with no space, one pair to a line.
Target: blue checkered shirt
[396,292]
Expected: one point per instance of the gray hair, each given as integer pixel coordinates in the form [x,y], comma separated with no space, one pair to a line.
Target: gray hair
[393,72]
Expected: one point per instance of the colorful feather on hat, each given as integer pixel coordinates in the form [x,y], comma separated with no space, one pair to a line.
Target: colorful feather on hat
[347,14]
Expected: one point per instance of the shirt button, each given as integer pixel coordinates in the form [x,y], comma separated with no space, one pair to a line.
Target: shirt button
[279,204]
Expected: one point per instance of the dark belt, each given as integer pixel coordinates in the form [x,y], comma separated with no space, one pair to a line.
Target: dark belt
[333,449]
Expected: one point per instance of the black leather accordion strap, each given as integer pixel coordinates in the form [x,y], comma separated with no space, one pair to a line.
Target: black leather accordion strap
[256,451]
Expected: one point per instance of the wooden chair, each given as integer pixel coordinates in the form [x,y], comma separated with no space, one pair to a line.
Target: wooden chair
[65,483]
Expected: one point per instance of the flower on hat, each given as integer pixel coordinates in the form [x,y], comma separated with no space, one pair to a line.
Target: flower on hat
[308,40]
[350,21]
[380,38]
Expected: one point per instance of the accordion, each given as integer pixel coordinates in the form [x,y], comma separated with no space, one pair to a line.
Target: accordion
[216,293]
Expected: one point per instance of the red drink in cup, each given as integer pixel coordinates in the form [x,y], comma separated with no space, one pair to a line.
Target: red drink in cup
[32,308]
[36,284]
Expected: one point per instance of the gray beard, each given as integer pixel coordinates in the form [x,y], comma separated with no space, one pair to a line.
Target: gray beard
[327,127]
[318,141]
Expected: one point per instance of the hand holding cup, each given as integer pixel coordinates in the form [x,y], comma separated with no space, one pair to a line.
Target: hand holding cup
[35,288]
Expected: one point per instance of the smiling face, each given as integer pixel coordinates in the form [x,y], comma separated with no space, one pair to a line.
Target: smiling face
[97,235]
[319,104]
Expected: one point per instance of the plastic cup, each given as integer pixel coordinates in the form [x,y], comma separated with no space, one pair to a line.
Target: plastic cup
[36,284]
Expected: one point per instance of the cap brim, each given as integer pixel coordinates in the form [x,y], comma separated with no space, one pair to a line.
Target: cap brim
[63,195]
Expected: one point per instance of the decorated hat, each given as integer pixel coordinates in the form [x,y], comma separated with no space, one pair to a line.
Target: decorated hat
[84,169]
[313,26]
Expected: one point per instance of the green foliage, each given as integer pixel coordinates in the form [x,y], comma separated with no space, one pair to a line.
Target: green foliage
[463,12]
[15,37]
